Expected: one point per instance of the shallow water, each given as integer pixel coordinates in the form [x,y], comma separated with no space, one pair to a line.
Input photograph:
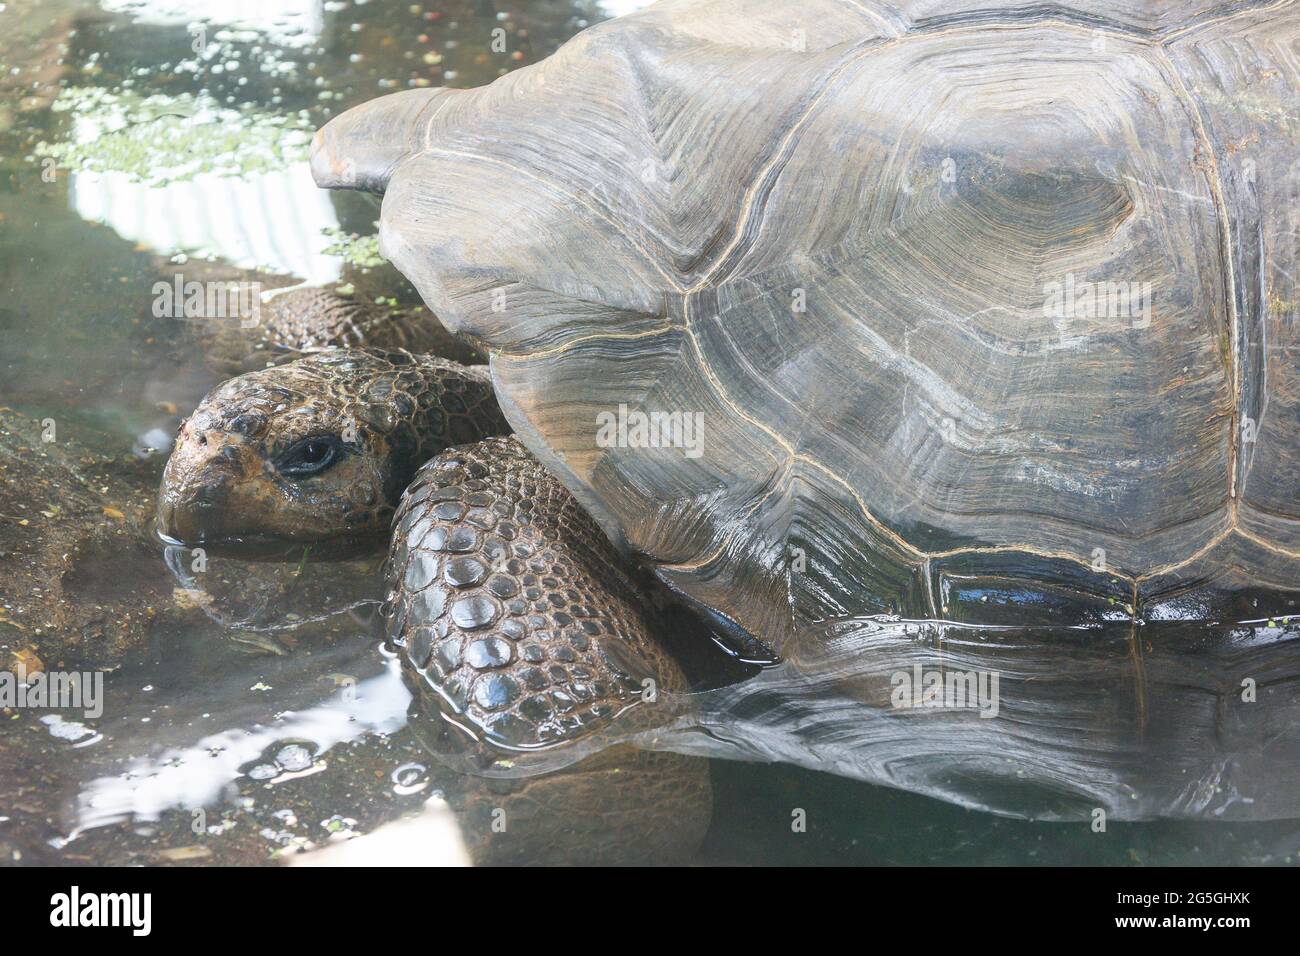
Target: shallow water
[250,709]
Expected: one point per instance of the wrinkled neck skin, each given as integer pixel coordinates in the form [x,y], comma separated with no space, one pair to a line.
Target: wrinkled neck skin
[317,452]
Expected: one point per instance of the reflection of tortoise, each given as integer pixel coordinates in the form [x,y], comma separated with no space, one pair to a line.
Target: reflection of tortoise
[986,311]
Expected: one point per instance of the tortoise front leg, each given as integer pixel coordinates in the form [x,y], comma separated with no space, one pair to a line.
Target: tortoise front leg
[510,607]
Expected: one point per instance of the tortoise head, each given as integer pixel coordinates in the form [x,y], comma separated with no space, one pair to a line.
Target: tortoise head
[316,449]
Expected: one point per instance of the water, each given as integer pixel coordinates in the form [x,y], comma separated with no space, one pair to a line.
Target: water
[250,710]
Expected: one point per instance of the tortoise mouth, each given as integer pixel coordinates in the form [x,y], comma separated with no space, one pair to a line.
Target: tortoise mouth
[207,515]
[271,547]
[165,533]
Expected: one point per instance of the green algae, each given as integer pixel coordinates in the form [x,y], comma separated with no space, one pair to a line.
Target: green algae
[360,251]
[162,139]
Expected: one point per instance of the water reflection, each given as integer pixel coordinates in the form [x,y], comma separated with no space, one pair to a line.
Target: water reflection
[186,774]
[273,220]
[286,22]
[1078,727]
[1071,729]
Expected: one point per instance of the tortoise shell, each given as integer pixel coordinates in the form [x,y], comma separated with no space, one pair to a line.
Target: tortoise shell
[980,315]
[983,311]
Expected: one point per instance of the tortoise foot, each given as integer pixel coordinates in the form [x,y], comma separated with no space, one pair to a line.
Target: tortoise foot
[511,609]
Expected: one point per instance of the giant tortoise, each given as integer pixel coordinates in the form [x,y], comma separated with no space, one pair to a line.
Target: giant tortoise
[959,335]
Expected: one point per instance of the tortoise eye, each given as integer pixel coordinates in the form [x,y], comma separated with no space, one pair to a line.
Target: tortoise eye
[310,456]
